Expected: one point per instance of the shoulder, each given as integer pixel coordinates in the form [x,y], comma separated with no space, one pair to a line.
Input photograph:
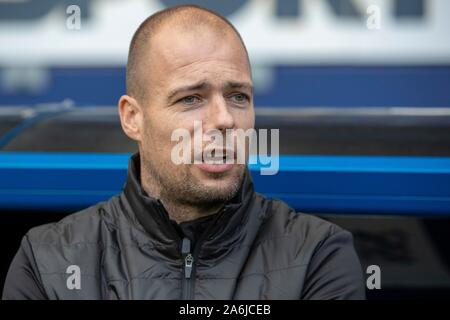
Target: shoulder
[297,236]
[283,221]
[324,249]
[77,227]
[78,239]
[83,226]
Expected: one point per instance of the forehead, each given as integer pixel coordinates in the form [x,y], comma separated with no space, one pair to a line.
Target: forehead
[178,54]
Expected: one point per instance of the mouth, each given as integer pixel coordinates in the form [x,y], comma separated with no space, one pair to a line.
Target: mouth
[216,161]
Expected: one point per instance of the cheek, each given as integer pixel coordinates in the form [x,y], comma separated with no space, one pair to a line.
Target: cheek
[158,144]
[245,119]
[157,134]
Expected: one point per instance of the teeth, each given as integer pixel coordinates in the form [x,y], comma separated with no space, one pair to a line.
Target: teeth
[222,159]
[215,161]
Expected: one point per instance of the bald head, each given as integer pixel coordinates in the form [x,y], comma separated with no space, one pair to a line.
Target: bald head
[187,66]
[185,18]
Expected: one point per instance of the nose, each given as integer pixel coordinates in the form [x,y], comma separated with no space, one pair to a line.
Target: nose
[219,115]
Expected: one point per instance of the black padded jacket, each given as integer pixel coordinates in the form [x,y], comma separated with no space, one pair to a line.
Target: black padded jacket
[128,248]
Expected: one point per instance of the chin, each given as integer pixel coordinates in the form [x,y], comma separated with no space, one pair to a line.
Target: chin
[228,176]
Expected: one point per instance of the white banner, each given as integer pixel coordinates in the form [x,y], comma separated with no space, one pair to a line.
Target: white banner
[98,32]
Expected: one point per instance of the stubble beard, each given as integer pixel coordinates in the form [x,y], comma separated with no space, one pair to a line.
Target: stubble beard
[179,186]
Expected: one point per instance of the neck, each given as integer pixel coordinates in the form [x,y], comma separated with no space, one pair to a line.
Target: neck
[185,212]
[177,210]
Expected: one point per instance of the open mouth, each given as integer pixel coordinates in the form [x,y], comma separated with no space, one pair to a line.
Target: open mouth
[217,157]
[216,162]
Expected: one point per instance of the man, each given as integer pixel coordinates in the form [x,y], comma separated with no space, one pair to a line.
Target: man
[189,231]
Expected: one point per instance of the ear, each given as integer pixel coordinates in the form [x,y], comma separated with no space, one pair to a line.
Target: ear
[131,117]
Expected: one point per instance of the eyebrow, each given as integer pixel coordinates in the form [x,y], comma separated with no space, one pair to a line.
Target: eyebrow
[239,85]
[204,84]
[197,86]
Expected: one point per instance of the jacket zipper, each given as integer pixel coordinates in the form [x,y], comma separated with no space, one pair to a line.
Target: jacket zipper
[188,274]
[189,255]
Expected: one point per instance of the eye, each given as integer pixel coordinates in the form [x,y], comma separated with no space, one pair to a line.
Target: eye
[240,98]
[189,100]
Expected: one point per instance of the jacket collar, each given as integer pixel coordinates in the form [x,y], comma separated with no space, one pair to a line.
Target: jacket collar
[151,214]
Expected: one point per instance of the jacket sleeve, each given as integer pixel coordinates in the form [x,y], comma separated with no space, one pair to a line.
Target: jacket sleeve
[334,272]
[23,280]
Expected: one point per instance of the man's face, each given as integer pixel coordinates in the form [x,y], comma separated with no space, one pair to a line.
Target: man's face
[194,76]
